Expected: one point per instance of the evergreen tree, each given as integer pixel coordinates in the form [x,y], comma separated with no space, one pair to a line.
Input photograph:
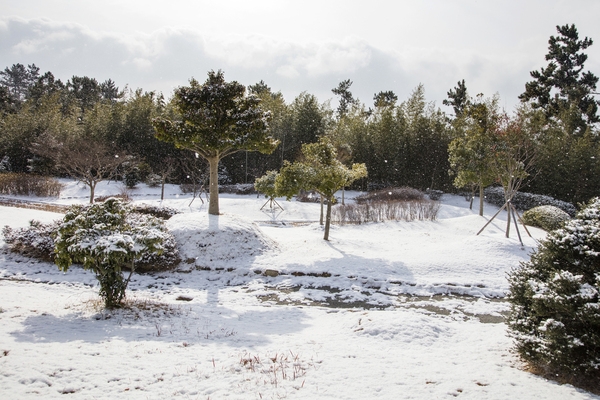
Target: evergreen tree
[309,121]
[385,99]
[563,84]
[18,79]
[216,119]
[470,153]
[458,98]
[346,99]
[85,91]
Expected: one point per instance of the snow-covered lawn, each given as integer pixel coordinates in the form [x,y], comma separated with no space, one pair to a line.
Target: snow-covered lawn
[265,309]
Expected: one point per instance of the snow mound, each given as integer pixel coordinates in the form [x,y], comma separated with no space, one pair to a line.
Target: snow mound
[217,241]
[416,329]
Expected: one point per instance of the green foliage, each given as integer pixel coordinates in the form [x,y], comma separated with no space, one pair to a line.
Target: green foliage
[563,85]
[320,171]
[458,98]
[548,218]
[470,153]
[104,239]
[346,99]
[555,309]
[214,120]
[266,184]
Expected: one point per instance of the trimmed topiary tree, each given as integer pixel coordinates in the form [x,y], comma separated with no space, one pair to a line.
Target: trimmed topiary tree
[548,218]
[103,238]
[555,312]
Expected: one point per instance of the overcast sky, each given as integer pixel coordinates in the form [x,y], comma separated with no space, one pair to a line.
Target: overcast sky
[295,46]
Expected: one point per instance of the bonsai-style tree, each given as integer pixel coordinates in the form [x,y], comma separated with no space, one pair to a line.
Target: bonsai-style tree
[320,171]
[216,119]
[106,238]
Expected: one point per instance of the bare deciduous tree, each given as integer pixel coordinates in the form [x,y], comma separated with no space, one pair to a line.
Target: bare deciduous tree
[86,159]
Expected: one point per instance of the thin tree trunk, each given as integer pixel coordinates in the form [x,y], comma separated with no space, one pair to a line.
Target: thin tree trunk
[328,220]
[92,191]
[213,203]
[481,200]
[321,217]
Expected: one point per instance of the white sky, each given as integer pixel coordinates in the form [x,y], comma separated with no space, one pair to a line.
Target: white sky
[297,46]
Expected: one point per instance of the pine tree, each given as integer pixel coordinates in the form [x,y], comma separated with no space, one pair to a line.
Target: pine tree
[346,99]
[216,119]
[458,98]
[563,87]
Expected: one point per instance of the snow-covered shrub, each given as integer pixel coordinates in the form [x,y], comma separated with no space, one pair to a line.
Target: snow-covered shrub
[150,261]
[29,185]
[555,312]
[525,201]
[156,211]
[36,240]
[435,194]
[392,194]
[548,218]
[238,188]
[107,238]
[123,196]
[153,180]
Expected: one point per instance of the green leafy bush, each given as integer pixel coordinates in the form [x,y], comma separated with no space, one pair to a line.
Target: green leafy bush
[266,184]
[555,312]
[107,238]
[548,218]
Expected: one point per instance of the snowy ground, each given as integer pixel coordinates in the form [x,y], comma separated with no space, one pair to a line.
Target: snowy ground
[269,310]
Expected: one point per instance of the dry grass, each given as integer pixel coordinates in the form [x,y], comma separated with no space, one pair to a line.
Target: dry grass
[132,308]
[29,185]
[390,210]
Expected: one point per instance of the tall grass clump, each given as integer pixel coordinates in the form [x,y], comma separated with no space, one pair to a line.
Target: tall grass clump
[394,204]
[29,185]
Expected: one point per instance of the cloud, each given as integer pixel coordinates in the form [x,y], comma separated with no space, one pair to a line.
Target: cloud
[167,57]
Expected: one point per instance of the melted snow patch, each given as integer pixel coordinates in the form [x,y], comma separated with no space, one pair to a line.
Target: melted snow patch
[217,241]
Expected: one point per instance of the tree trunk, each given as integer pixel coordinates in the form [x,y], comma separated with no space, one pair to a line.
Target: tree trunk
[508,219]
[481,200]
[328,219]
[92,190]
[321,217]
[213,203]
[162,188]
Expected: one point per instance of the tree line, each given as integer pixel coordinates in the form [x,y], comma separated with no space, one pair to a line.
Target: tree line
[46,126]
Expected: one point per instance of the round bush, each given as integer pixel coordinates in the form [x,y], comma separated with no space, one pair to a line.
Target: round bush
[555,313]
[548,218]
[107,238]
